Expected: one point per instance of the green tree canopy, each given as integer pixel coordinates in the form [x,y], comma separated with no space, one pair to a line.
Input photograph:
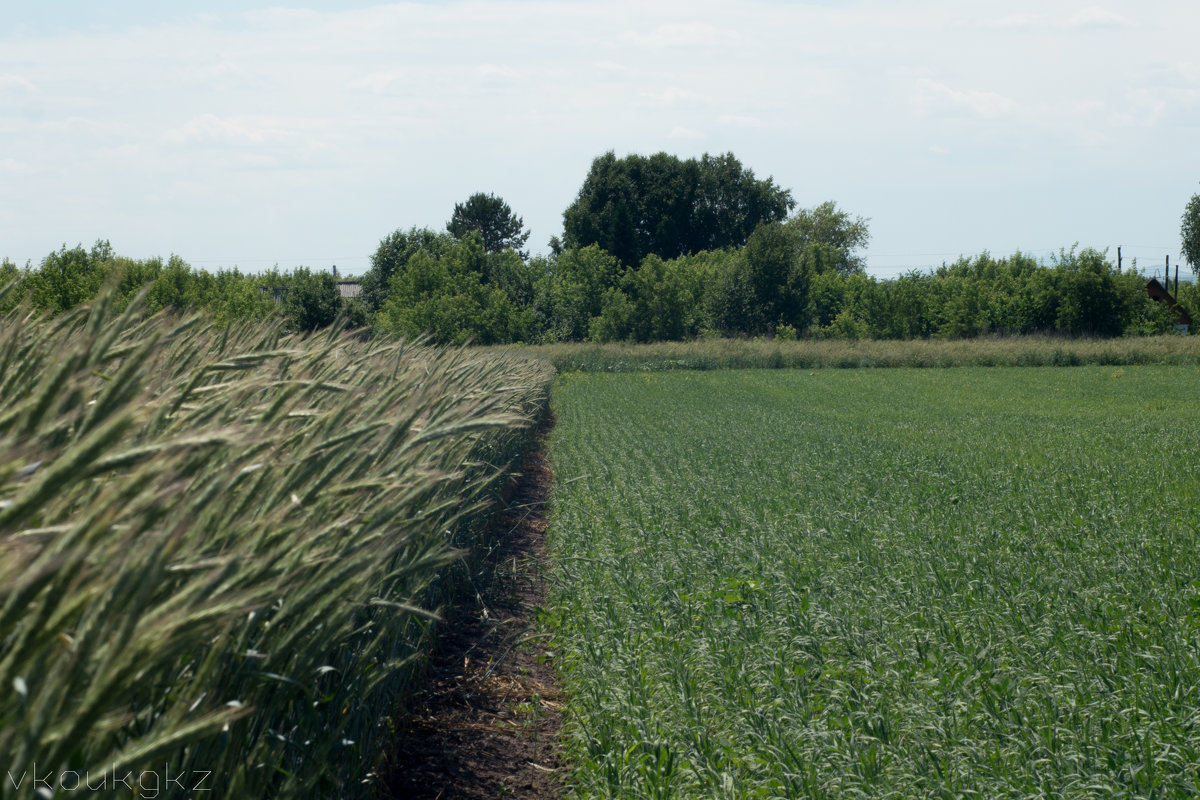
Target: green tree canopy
[826,225]
[446,295]
[661,205]
[571,290]
[663,300]
[312,300]
[495,221]
[393,254]
[67,278]
[1190,233]
[12,286]
[767,284]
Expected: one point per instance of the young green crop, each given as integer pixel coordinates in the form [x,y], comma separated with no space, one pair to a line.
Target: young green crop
[900,583]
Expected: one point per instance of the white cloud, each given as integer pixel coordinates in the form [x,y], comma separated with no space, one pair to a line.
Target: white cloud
[209,129]
[740,121]
[259,160]
[1151,106]
[376,82]
[679,132]
[93,129]
[280,18]
[673,95]
[988,105]
[15,82]
[1188,72]
[12,165]
[496,74]
[1094,18]
[1089,18]
[682,34]
[1012,22]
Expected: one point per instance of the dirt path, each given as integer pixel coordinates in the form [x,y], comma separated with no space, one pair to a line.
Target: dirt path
[487,725]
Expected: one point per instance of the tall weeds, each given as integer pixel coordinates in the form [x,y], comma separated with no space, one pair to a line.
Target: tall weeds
[1015,351]
[220,547]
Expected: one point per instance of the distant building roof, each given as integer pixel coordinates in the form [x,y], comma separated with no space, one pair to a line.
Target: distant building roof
[1159,292]
[347,289]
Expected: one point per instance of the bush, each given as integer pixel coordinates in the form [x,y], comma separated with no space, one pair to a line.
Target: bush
[312,301]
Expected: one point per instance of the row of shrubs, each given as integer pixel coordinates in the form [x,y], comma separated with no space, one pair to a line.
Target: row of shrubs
[302,299]
[778,285]
[222,547]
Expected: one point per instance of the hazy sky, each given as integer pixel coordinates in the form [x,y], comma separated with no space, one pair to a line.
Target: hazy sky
[304,133]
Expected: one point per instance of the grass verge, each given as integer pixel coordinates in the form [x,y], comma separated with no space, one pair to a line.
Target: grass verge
[1019,351]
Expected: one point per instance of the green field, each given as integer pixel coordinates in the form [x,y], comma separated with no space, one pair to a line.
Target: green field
[894,583]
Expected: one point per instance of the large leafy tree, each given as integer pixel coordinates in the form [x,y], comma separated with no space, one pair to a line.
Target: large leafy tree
[571,290]
[1089,299]
[447,295]
[312,300]
[826,225]
[658,301]
[661,205]
[1190,233]
[767,284]
[391,257]
[494,220]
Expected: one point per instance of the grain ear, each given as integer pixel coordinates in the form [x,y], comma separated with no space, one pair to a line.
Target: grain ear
[221,547]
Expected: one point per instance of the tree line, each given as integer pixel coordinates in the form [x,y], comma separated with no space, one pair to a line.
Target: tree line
[69,277]
[653,248]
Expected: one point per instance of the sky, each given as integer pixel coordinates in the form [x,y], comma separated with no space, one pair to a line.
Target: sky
[302,133]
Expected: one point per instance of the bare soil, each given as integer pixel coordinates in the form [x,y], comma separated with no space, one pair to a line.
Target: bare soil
[487,724]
